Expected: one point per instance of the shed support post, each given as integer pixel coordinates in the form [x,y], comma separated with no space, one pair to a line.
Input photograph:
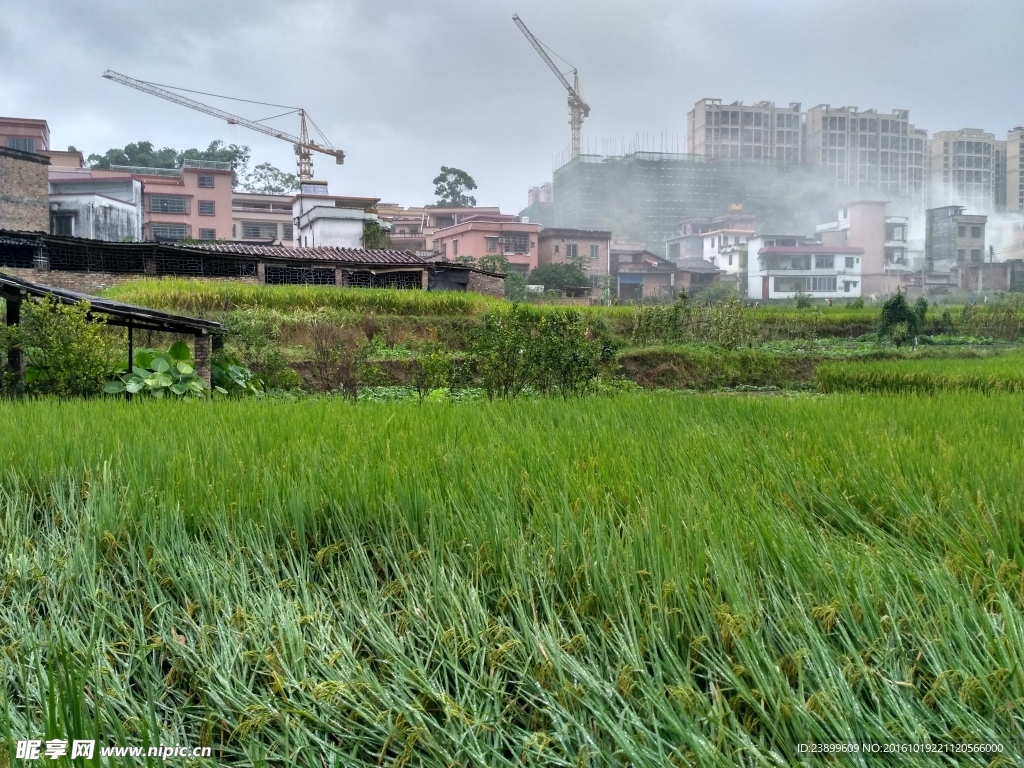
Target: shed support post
[202,356]
[424,279]
[15,357]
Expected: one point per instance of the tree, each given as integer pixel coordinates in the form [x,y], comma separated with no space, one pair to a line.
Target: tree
[145,155]
[899,321]
[558,277]
[375,236]
[266,179]
[495,262]
[515,286]
[451,186]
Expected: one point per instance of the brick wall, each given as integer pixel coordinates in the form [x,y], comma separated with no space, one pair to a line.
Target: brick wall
[94,282]
[480,283]
[24,196]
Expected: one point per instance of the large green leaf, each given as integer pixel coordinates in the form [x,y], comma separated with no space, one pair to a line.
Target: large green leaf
[135,386]
[179,351]
[114,387]
[143,358]
[141,372]
[184,368]
[164,379]
[179,389]
[161,364]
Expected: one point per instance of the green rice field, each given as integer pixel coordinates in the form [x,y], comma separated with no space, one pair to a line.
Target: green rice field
[642,580]
[991,373]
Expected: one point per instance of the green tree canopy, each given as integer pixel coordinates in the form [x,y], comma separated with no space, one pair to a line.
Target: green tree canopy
[267,179]
[145,155]
[451,186]
[557,277]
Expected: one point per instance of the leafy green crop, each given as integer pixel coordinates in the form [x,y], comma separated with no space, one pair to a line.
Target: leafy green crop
[161,374]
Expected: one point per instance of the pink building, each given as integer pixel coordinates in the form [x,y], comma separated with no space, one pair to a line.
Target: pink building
[480,236]
[188,203]
[25,134]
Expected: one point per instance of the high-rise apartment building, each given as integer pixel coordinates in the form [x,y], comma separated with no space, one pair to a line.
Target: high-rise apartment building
[867,149]
[963,170]
[1015,170]
[736,131]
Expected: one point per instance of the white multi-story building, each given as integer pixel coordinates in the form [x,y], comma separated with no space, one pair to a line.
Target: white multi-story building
[781,266]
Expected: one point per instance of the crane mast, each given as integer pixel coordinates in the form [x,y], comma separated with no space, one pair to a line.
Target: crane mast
[578,108]
[303,146]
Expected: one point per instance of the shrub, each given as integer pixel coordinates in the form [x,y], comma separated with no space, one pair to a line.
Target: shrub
[256,340]
[558,277]
[802,300]
[338,356]
[899,322]
[433,371]
[502,352]
[857,303]
[515,286]
[67,353]
[716,293]
[564,357]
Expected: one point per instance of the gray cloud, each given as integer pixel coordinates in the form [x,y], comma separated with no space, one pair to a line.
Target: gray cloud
[404,87]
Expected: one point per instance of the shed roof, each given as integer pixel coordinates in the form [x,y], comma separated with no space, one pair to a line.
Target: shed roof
[123,314]
[696,265]
[320,253]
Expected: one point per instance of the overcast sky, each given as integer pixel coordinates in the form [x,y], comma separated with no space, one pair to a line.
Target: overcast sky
[406,86]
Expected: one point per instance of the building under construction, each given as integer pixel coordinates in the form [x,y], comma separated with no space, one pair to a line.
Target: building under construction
[643,195]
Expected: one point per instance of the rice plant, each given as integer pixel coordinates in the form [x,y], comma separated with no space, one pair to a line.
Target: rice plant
[994,373]
[642,580]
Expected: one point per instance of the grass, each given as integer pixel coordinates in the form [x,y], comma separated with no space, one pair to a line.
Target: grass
[643,580]
[991,373]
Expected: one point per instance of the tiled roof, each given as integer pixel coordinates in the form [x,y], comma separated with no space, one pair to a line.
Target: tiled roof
[6,240]
[696,265]
[329,254]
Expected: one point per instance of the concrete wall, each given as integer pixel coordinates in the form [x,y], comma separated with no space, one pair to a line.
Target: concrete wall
[24,195]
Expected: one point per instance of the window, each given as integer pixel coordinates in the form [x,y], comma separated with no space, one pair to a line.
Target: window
[455,247]
[824,262]
[959,254]
[571,250]
[168,204]
[593,250]
[790,284]
[168,231]
[206,208]
[848,284]
[516,242]
[25,145]
[975,254]
[287,232]
[961,231]
[207,234]
[849,263]
[975,231]
[821,284]
[63,225]
[730,259]
[556,249]
[206,180]
[492,245]
[265,230]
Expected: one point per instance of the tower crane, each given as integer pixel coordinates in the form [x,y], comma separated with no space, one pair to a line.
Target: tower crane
[578,108]
[303,146]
